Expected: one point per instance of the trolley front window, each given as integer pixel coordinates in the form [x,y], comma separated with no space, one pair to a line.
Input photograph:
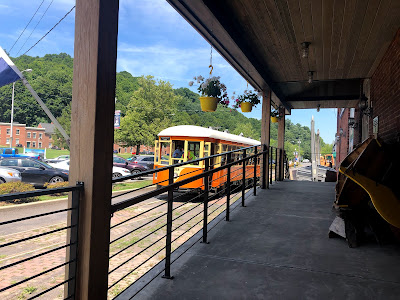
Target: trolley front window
[165,152]
[193,151]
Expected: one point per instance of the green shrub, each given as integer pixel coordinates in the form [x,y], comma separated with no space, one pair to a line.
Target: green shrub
[49,185]
[17,187]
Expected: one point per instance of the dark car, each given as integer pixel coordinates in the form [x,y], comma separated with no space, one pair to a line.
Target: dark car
[131,166]
[145,160]
[35,172]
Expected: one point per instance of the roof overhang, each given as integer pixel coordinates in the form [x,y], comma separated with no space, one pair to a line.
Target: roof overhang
[262,41]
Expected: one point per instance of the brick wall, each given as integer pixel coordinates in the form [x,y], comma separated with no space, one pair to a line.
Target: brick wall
[31,137]
[385,93]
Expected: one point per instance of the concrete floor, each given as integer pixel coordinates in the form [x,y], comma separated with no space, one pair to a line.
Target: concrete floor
[277,247]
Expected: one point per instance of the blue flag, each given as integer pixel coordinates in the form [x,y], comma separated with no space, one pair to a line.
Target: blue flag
[8,71]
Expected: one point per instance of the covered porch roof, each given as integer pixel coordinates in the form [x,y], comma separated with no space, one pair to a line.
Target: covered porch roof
[262,41]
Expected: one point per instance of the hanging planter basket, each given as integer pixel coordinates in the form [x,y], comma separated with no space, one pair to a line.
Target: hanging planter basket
[274,119]
[246,106]
[208,103]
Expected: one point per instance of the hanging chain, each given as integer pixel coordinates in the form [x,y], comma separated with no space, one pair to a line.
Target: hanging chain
[211,66]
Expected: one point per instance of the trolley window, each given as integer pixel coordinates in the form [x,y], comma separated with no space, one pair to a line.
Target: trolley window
[193,151]
[177,151]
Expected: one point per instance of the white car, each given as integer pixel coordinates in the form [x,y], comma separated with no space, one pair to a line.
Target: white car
[57,159]
[117,171]
[9,175]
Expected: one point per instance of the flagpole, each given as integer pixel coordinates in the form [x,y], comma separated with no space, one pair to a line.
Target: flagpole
[12,115]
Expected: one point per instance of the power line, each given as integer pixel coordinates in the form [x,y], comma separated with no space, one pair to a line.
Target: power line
[35,27]
[50,30]
[26,26]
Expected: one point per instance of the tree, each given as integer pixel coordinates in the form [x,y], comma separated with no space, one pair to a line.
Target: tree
[150,110]
[65,122]
[247,130]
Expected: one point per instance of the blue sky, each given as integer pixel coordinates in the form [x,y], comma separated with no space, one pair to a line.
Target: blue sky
[153,40]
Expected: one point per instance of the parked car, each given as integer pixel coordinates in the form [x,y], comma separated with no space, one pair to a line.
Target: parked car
[117,171]
[19,145]
[9,175]
[132,158]
[145,160]
[306,160]
[57,159]
[132,167]
[34,171]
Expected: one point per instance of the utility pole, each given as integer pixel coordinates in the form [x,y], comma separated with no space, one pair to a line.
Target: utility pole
[313,162]
[317,154]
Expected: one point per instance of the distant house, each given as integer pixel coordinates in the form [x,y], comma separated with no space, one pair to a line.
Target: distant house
[30,137]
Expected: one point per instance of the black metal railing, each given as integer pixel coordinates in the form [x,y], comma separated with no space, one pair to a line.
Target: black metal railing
[34,262]
[147,227]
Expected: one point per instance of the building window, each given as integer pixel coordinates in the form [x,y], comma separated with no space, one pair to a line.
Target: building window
[17,141]
[34,135]
[33,144]
[28,135]
[28,144]
[17,132]
[7,141]
[8,131]
[40,145]
[49,145]
[40,135]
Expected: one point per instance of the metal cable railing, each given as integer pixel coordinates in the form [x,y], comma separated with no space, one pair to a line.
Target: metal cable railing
[41,262]
[145,241]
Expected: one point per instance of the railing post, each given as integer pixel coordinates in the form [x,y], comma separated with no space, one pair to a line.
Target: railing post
[264,179]
[73,240]
[270,168]
[205,201]
[276,163]
[255,172]
[228,187]
[244,177]
[281,164]
[167,273]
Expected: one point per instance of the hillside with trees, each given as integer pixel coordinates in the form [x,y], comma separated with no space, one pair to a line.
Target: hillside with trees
[147,106]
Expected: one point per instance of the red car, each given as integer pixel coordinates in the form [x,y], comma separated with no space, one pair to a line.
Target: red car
[131,166]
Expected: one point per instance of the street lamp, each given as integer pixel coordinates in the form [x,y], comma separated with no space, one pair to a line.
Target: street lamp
[12,108]
[299,142]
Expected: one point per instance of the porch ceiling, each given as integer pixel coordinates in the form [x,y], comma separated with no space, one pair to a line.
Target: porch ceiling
[262,40]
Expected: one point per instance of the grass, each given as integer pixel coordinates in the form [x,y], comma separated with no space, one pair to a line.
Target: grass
[53,153]
[131,185]
[27,291]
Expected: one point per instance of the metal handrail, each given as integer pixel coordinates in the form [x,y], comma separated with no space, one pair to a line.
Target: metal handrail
[149,172]
[71,245]
[174,185]
[254,157]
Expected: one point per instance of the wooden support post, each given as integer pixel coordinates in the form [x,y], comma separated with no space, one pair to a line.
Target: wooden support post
[281,142]
[265,133]
[92,138]
[313,160]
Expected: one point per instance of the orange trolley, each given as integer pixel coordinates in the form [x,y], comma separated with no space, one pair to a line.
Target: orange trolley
[199,142]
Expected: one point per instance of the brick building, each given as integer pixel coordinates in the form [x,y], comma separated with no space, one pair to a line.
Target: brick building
[378,112]
[30,137]
[124,149]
